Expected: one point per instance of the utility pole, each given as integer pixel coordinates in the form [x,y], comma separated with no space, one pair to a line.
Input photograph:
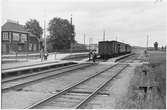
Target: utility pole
[89,42]
[44,31]
[116,38]
[27,45]
[84,38]
[45,36]
[104,35]
[71,35]
[147,41]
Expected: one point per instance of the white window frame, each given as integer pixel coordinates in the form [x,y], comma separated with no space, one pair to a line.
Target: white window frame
[16,36]
[23,37]
[30,46]
[5,36]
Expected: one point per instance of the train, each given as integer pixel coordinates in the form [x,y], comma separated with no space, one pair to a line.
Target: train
[109,49]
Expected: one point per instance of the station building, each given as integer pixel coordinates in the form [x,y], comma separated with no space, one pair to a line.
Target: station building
[15,38]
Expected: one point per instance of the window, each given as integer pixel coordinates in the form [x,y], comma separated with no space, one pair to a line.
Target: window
[30,46]
[5,36]
[23,37]
[16,36]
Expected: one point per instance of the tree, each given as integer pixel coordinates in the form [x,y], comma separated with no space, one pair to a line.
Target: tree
[33,26]
[61,33]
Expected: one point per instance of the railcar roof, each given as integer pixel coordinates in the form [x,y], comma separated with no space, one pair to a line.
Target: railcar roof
[113,41]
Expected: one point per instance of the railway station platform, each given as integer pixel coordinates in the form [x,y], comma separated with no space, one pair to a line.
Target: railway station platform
[32,67]
[23,64]
[115,59]
[29,62]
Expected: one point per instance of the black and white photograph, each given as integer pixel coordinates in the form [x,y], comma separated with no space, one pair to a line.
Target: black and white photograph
[83,54]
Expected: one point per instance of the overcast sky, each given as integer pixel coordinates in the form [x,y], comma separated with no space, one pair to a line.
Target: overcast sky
[129,20]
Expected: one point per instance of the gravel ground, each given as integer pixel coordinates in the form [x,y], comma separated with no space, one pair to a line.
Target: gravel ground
[40,90]
[16,100]
[69,101]
[116,88]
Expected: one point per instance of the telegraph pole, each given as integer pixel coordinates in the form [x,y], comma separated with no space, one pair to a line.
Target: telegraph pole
[45,36]
[84,38]
[104,35]
[147,41]
[116,38]
[71,35]
[89,42]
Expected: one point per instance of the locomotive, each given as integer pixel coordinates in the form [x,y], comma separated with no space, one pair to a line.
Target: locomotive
[108,49]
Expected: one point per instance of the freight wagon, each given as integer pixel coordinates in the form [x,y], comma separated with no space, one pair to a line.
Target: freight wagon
[108,49]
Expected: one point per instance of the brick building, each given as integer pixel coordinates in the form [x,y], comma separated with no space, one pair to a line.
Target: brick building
[15,38]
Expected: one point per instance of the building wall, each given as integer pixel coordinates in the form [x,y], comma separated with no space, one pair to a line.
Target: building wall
[18,42]
[5,47]
[33,44]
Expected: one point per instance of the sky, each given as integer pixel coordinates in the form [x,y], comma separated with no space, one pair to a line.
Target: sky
[125,20]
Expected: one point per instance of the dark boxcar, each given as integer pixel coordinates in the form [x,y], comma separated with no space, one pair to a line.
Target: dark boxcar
[128,48]
[121,48]
[104,49]
[109,49]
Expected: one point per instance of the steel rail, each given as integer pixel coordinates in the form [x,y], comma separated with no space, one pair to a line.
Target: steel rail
[37,73]
[67,89]
[98,89]
[18,86]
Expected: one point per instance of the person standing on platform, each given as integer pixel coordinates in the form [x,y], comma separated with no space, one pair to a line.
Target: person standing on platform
[46,55]
[90,55]
[94,56]
[42,55]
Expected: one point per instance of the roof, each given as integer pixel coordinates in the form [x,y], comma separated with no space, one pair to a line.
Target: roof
[31,34]
[12,26]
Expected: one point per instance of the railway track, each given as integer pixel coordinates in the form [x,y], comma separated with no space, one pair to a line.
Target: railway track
[19,82]
[94,84]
